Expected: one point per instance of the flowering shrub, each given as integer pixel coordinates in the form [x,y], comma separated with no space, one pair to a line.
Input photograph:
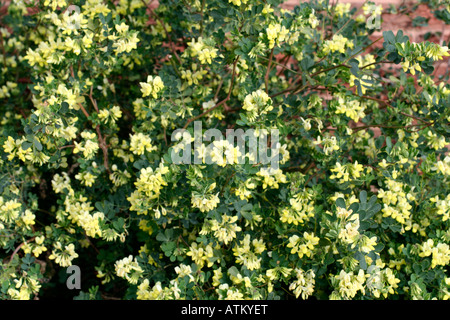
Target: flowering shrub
[92,92]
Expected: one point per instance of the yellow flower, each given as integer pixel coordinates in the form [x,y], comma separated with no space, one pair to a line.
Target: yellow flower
[205,53]
[205,203]
[248,257]
[237,2]
[276,33]
[139,143]
[303,246]
[152,87]
[304,285]
[201,254]
[28,218]
[63,256]
[129,269]
[337,43]
[86,178]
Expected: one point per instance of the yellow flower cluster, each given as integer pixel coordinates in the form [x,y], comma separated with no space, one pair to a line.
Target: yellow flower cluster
[224,231]
[271,178]
[128,6]
[152,87]
[397,260]
[27,219]
[304,284]
[157,292]
[89,146]
[440,253]
[276,33]
[231,293]
[129,269]
[63,256]
[238,2]
[86,178]
[139,143]
[349,225]
[365,82]
[119,177]
[341,9]
[256,104]
[243,191]
[381,281]
[149,185]
[396,201]
[24,287]
[205,53]
[9,210]
[59,183]
[6,90]
[14,149]
[139,109]
[248,257]
[442,206]
[239,279]
[437,52]
[183,270]
[111,115]
[443,166]
[124,41]
[349,199]
[348,284]
[303,246]
[35,247]
[367,61]
[351,108]
[201,254]
[346,172]
[329,143]
[372,9]
[377,281]
[436,142]
[301,209]
[418,53]
[205,202]
[411,66]
[337,43]
[194,76]
[220,152]
[79,210]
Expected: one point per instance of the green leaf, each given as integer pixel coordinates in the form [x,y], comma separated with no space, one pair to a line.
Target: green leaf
[26,145]
[233,271]
[64,107]
[389,37]
[373,210]
[363,196]
[166,236]
[362,260]
[306,63]
[379,142]
[400,37]
[354,207]
[340,202]
[37,144]
[247,215]
[388,144]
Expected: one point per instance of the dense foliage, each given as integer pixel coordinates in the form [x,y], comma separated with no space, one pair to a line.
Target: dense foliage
[91,93]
